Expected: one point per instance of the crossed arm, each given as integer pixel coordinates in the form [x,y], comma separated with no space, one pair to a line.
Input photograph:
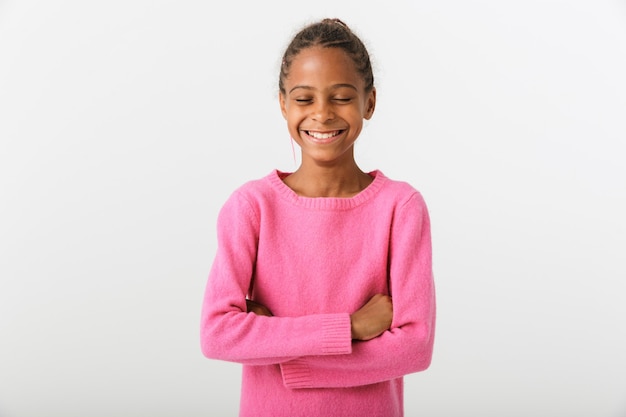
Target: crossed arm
[366,323]
[310,349]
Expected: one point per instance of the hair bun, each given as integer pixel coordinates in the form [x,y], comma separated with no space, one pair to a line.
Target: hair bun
[329,33]
[335,21]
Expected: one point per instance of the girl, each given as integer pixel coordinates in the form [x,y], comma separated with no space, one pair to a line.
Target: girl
[322,282]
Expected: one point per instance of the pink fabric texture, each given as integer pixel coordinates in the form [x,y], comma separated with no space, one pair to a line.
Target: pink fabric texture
[313,262]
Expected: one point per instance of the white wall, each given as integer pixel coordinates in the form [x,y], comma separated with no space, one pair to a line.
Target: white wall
[124,125]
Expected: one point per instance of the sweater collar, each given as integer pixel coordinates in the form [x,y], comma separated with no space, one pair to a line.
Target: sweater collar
[326,203]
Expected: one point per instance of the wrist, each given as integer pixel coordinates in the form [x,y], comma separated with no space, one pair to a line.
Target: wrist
[353,328]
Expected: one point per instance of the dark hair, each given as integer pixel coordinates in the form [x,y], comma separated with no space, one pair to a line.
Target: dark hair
[329,33]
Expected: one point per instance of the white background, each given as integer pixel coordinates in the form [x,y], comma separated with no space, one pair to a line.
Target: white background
[124,126]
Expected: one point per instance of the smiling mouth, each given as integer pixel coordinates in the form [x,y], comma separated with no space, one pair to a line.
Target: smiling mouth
[323,137]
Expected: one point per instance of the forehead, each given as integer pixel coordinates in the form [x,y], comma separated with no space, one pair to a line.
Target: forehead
[320,67]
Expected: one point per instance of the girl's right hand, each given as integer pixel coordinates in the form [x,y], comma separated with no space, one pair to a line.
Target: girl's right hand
[373,318]
[258,309]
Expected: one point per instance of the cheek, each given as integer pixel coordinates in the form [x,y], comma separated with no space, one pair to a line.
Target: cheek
[293,124]
[295,118]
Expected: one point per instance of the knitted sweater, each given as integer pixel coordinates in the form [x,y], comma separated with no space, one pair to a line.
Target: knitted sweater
[313,262]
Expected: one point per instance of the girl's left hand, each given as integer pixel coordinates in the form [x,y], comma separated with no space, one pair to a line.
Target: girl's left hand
[258,309]
[373,318]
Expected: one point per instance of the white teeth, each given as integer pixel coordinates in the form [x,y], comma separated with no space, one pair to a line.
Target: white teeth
[319,135]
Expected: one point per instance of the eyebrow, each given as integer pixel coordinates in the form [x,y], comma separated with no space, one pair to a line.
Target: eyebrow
[333,87]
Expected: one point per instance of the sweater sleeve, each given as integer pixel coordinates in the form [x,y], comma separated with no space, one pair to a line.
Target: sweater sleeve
[405,348]
[228,332]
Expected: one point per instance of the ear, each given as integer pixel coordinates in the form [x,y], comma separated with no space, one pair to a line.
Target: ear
[282,102]
[370,104]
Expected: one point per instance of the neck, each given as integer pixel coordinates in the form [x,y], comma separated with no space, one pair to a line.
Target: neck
[313,180]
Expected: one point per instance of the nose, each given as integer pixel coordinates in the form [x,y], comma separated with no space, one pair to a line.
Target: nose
[323,111]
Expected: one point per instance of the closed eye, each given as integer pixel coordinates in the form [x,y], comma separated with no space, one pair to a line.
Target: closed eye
[342,100]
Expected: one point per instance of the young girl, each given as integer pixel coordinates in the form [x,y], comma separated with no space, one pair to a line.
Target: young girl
[322,282]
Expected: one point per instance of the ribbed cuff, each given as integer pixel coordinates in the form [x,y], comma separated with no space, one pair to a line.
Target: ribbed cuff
[336,334]
[336,340]
[296,373]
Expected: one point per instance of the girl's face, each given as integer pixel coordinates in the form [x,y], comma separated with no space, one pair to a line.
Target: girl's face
[324,104]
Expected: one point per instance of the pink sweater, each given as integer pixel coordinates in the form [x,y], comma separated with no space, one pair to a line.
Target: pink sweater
[312,262]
